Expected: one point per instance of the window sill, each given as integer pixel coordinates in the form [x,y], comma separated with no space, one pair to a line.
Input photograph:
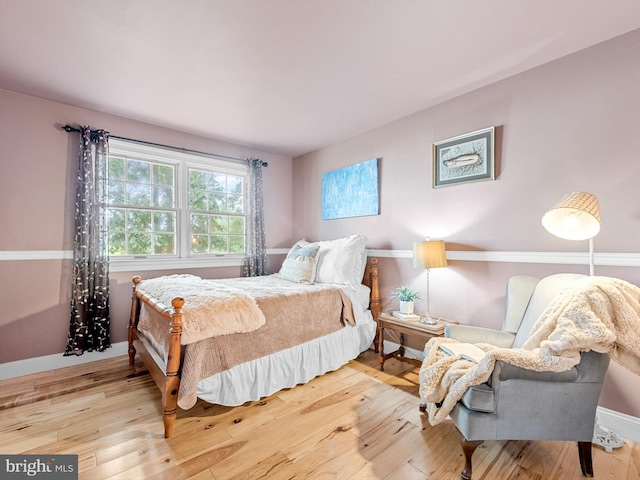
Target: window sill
[149,264]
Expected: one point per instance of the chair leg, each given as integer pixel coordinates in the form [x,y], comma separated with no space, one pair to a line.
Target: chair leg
[468,447]
[586,460]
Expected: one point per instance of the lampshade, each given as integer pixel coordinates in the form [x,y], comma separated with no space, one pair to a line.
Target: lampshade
[575,217]
[429,254]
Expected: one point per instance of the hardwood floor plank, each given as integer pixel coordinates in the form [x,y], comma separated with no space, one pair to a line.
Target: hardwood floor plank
[213,460]
[204,475]
[312,423]
[386,446]
[271,467]
[611,466]
[327,457]
[634,461]
[130,463]
[23,443]
[441,456]
[355,423]
[503,464]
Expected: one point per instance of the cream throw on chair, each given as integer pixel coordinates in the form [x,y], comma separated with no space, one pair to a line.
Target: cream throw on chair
[544,378]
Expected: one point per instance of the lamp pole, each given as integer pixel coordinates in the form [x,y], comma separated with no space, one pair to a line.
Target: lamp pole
[591,257]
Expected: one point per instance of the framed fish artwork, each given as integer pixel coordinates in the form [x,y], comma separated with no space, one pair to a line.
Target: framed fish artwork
[465,158]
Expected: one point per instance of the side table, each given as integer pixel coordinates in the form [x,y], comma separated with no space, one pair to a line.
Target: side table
[386,321]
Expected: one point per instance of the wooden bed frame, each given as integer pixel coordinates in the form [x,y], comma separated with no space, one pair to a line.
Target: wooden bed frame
[167,374]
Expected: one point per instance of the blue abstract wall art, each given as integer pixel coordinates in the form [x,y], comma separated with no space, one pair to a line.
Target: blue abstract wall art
[351,191]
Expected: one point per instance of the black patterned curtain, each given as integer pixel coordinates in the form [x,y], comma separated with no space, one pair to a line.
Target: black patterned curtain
[89,324]
[256,260]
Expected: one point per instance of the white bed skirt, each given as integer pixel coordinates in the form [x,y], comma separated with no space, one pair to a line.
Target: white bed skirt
[264,376]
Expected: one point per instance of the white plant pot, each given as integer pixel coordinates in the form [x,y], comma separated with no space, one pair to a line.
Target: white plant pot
[406,307]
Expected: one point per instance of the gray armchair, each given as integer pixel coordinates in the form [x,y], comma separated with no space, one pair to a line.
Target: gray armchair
[519,404]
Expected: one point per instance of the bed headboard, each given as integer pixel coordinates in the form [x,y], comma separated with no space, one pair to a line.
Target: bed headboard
[371,280]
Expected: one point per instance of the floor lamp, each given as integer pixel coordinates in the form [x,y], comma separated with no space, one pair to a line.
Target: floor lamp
[429,254]
[577,217]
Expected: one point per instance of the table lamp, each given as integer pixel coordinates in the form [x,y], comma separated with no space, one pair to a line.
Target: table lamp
[575,217]
[429,254]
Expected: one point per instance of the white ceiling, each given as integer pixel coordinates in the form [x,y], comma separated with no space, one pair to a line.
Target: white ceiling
[285,76]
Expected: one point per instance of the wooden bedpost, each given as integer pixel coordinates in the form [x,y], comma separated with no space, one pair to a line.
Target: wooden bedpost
[371,280]
[172,381]
[133,318]
[376,309]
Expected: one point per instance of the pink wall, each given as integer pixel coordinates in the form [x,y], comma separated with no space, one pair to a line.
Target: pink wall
[37,192]
[570,125]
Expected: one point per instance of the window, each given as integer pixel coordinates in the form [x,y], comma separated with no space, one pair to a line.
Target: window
[216,212]
[142,207]
[167,205]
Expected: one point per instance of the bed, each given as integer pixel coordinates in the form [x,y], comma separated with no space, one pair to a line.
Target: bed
[313,318]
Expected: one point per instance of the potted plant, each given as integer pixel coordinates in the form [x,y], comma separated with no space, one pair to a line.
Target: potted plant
[406,296]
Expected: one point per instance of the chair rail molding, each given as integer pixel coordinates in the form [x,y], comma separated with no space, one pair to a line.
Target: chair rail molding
[13,255]
[560,258]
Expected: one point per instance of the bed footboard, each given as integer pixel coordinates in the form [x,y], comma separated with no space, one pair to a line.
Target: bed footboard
[165,374]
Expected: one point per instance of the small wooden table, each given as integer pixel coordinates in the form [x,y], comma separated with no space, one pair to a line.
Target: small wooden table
[404,327]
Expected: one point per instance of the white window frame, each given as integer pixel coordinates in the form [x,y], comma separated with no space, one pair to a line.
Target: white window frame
[182,162]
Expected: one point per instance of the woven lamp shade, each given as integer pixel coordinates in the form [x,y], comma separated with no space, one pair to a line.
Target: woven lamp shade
[575,217]
[429,254]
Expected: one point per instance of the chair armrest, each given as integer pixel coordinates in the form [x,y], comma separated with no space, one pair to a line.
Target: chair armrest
[470,334]
[505,371]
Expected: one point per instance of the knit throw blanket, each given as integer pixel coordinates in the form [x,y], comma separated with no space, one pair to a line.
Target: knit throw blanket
[211,307]
[594,313]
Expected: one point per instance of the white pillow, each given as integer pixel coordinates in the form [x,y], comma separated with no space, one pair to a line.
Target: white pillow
[300,264]
[361,263]
[342,261]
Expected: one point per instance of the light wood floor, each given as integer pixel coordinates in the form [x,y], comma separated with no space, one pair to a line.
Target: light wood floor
[355,423]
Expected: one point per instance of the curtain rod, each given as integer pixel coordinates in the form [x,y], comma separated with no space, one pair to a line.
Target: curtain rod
[69,129]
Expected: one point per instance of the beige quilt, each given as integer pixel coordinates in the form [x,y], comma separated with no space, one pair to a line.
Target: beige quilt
[595,313]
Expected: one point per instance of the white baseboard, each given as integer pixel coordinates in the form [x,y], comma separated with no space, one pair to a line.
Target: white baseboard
[408,351]
[56,361]
[626,426]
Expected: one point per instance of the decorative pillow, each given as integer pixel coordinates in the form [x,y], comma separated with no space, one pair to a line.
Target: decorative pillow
[342,261]
[300,264]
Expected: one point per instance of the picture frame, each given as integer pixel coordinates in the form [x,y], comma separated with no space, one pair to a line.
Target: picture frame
[351,191]
[465,158]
